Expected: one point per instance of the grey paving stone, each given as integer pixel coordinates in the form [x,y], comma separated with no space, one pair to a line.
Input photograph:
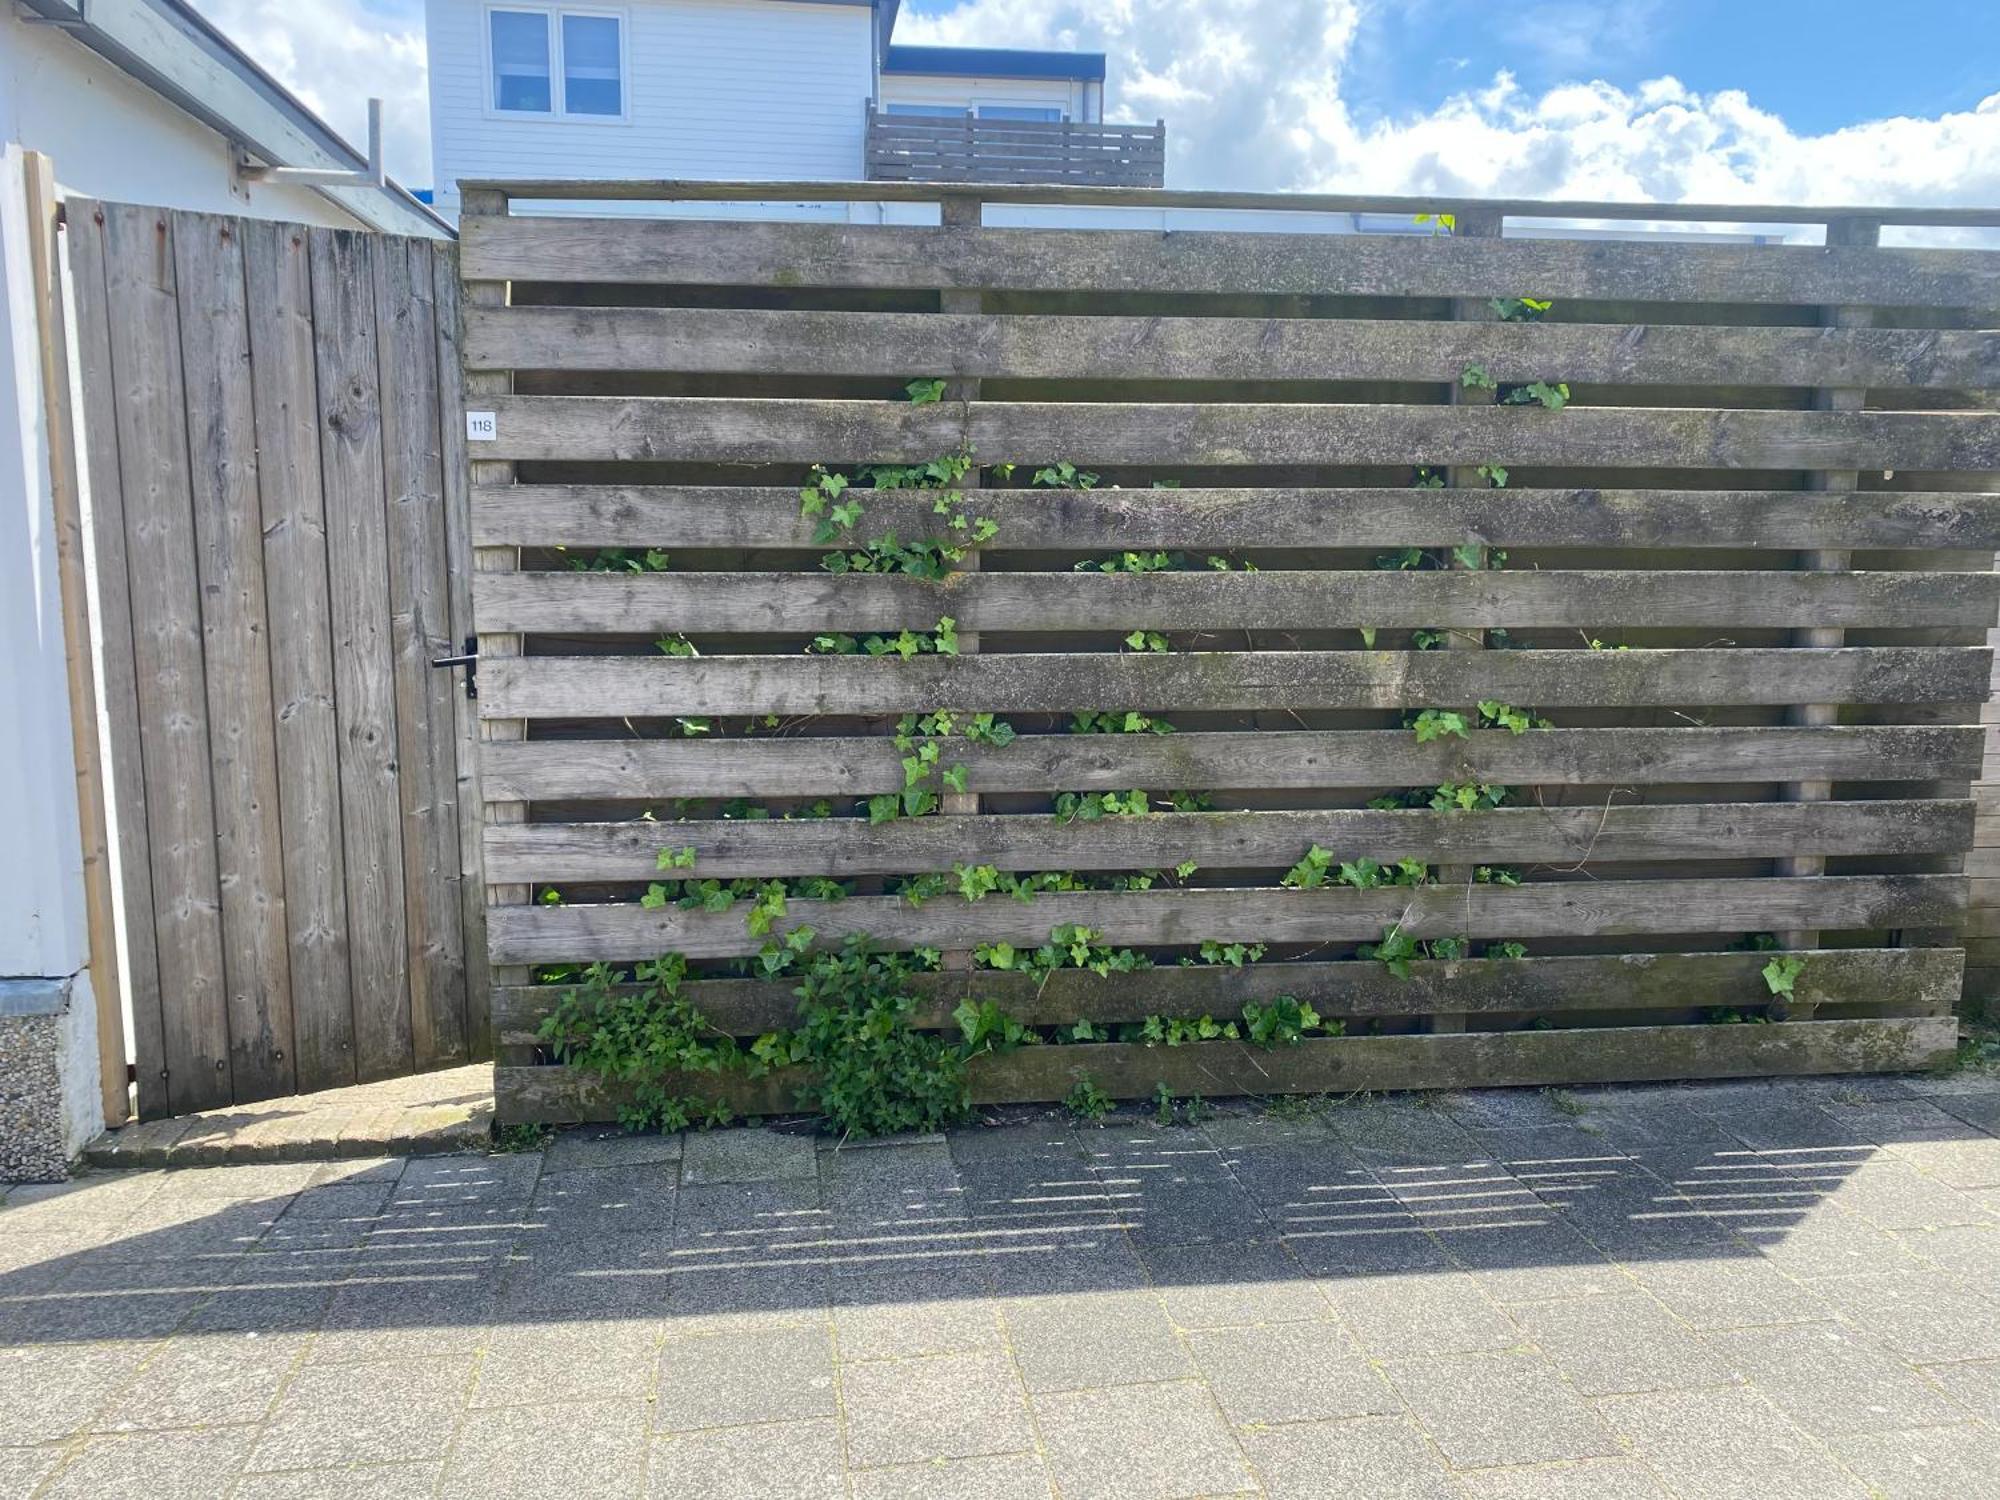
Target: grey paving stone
[1406,1127]
[398,1318]
[1046,1137]
[361,1200]
[21,1469]
[1512,1108]
[550,1276]
[1727,1292]
[568,1360]
[206,1380]
[1926,1316]
[373,1413]
[1232,1285]
[1830,1381]
[1290,1372]
[607,1200]
[748,1219]
[1444,1312]
[1982,1111]
[1150,1442]
[1970,1162]
[599,1146]
[940,1406]
[184,1229]
[1379,1239]
[715,1156]
[894,1312]
[1382,1458]
[1005,1476]
[53,1389]
[729,1380]
[739,1297]
[1230,1128]
[114,1300]
[1967,1249]
[1607,1345]
[360,1169]
[1585,1479]
[1093,1339]
[359,1482]
[1034,1266]
[1894,1195]
[245,1180]
[429,1181]
[1297,1179]
[549,1452]
[101,1199]
[1630,1214]
[1160,1212]
[1489,1409]
[1726,1444]
[1973,1384]
[1828,1241]
[784,1461]
[160,1465]
[1932,1463]
[871,1168]
[1531,1260]
[32,1263]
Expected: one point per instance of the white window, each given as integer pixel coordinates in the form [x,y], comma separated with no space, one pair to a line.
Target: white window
[1019,112]
[532,48]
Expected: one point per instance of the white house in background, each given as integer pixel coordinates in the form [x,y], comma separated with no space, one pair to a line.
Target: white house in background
[140,101]
[754,90]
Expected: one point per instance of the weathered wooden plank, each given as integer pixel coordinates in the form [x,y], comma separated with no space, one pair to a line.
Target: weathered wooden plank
[553,770]
[151,421]
[1925,980]
[363,648]
[723,603]
[243,758]
[1635,1054]
[1101,260]
[594,852]
[284,391]
[420,630]
[68,469]
[563,934]
[744,430]
[457,475]
[727,341]
[727,516]
[552,686]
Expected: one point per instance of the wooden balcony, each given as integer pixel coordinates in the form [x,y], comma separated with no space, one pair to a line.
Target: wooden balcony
[913,148]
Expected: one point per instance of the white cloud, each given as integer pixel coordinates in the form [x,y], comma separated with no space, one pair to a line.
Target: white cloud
[335,55]
[1252,94]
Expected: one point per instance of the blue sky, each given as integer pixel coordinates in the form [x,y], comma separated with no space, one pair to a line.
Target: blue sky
[1819,64]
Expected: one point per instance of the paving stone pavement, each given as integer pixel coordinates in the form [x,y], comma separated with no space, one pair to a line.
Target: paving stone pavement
[1780,1291]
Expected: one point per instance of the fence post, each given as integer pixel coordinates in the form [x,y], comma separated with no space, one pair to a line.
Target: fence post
[484,472]
[962,212]
[1839,233]
[1472,224]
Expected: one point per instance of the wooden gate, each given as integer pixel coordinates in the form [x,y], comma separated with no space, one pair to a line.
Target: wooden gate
[1722,698]
[275,460]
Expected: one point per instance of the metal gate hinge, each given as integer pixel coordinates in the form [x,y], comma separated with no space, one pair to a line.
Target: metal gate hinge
[468,659]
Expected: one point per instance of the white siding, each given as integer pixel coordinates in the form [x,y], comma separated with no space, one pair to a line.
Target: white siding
[719,89]
[111,137]
[1068,95]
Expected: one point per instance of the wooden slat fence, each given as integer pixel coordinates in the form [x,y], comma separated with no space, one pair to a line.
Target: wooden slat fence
[271,414]
[1745,574]
[914,148]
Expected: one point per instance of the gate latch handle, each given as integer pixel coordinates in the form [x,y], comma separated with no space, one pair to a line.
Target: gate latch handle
[468,659]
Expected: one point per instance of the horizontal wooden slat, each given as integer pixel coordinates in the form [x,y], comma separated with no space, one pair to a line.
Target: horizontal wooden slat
[720,341]
[843,255]
[548,515]
[1633,1054]
[548,770]
[629,851]
[561,934]
[558,686]
[807,603]
[1925,980]
[718,430]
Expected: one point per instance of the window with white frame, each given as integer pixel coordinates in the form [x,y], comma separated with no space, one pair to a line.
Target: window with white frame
[1020,112]
[556,61]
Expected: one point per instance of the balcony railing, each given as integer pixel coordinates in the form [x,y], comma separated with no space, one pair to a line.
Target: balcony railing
[916,148]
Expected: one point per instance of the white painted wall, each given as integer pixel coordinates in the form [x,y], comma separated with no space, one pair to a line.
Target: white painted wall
[1072,96]
[717,89]
[111,137]
[42,930]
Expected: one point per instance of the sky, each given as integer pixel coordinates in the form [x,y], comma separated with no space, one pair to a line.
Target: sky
[1811,101]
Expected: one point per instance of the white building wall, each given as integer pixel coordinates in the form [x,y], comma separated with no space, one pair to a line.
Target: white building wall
[717,89]
[111,137]
[1074,97]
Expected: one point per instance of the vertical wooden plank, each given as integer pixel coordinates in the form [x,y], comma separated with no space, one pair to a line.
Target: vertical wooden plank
[65,484]
[229,562]
[278,275]
[1479,226]
[458,586]
[167,652]
[962,211]
[131,853]
[1838,232]
[364,673]
[495,560]
[419,624]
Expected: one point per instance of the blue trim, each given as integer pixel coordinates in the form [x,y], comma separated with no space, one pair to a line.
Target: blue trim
[994,62]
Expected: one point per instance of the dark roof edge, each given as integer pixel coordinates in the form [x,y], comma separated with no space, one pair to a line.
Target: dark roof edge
[994,62]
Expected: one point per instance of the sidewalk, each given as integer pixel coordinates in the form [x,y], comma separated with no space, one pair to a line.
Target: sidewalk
[1623,1294]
